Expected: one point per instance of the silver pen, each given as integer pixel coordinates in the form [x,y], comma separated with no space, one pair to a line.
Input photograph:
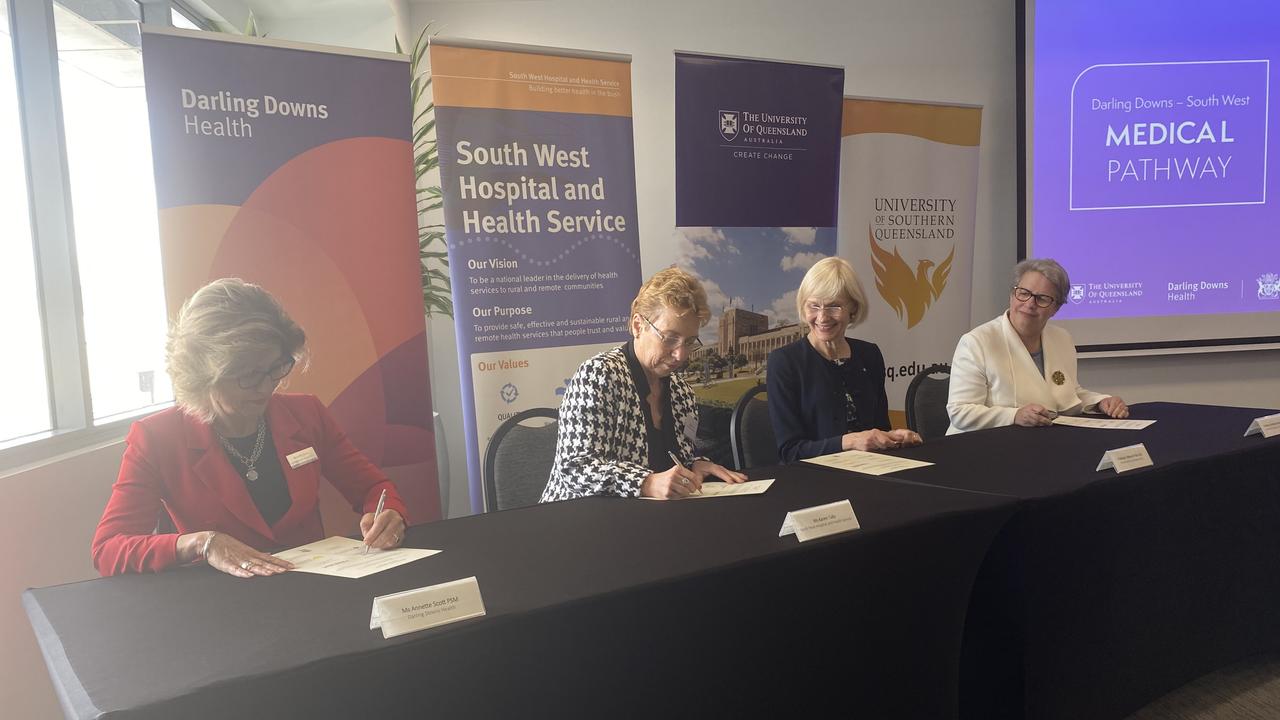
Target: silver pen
[382,502]
[676,460]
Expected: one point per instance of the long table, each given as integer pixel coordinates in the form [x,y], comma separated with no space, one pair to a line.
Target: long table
[596,607]
[1108,591]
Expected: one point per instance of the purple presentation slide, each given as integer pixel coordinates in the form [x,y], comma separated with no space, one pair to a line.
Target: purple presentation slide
[1150,177]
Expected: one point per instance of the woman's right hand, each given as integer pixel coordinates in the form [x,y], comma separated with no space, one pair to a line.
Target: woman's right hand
[676,482]
[873,439]
[231,556]
[1033,415]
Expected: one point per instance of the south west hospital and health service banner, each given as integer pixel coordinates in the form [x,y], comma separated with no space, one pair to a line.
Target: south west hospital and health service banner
[757,167]
[291,166]
[908,184]
[538,176]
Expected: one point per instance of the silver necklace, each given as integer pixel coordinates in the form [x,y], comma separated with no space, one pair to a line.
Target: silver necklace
[250,473]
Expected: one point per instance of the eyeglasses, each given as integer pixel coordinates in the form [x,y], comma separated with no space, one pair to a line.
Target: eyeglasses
[671,342]
[276,373]
[818,309]
[1023,295]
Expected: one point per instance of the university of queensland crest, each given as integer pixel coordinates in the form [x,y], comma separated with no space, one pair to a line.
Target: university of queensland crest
[1077,294]
[729,124]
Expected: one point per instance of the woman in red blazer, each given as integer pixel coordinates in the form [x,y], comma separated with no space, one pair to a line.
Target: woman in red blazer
[236,465]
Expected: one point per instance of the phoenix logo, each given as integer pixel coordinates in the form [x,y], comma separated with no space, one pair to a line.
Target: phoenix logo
[729,124]
[908,293]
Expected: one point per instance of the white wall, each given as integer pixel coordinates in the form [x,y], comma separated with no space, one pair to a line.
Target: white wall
[960,51]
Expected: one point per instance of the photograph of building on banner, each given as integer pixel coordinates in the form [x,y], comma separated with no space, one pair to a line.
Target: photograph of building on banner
[757,172]
[908,194]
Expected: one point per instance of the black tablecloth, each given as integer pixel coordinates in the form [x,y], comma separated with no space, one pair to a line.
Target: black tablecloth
[1108,590]
[596,607]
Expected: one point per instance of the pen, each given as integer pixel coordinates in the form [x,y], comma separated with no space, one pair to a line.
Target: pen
[382,501]
[676,460]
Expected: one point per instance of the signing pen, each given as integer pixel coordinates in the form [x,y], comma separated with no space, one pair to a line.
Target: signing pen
[382,502]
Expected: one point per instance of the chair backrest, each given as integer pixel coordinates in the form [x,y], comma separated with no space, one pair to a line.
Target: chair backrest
[927,401]
[517,463]
[751,431]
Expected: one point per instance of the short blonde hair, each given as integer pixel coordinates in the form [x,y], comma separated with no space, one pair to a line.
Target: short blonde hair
[218,331]
[833,278]
[672,289]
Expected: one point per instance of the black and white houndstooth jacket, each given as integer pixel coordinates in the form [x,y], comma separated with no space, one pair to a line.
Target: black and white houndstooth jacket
[601,447]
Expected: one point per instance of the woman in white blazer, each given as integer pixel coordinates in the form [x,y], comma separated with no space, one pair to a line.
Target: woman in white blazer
[1017,369]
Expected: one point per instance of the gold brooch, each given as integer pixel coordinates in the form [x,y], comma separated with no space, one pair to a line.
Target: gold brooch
[1058,377]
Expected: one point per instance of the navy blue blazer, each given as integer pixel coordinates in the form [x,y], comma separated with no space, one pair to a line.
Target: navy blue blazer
[806,398]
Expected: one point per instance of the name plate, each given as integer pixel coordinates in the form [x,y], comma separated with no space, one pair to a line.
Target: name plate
[1267,426]
[413,610]
[1126,458]
[820,521]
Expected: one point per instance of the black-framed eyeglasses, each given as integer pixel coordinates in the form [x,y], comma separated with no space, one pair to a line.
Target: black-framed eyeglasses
[1023,295]
[671,342]
[275,373]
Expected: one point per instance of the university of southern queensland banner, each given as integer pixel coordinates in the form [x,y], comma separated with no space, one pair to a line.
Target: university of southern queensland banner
[757,167]
[291,166]
[908,191]
[538,174]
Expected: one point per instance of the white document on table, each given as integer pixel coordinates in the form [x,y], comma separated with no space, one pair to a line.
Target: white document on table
[344,557]
[868,463]
[724,489]
[1101,423]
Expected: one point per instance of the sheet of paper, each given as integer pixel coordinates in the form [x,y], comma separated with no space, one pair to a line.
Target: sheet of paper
[868,463]
[1130,457]
[723,489]
[1266,426]
[1101,423]
[343,557]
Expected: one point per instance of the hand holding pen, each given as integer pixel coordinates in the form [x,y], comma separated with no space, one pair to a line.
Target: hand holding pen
[383,528]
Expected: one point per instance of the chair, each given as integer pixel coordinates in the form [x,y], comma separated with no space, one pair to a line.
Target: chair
[927,402]
[751,431]
[517,463]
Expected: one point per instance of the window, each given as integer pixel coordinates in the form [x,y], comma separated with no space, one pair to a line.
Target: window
[23,383]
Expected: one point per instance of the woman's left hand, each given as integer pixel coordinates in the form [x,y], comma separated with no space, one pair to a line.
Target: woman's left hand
[386,533]
[903,437]
[1114,407]
[705,468]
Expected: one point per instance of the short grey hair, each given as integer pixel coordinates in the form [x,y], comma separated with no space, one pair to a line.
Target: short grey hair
[218,331]
[1050,269]
[833,278]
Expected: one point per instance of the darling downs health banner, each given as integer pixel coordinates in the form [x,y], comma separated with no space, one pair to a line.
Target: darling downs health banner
[291,166]
[757,167]
[538,174]
[908,184]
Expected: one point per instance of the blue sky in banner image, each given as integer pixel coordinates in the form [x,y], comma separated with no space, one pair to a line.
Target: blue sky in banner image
[756,268]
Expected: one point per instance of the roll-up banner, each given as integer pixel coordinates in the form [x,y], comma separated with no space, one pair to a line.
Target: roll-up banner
[908,195]
[757,167]
[291,166]
[538,175]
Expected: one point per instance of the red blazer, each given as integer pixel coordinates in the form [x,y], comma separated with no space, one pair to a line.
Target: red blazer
[176,461]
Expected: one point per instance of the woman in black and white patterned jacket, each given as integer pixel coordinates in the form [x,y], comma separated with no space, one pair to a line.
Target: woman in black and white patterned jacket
[625,412]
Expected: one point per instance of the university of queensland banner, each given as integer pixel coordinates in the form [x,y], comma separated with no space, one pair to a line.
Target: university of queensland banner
[908,191]
[757,167]
[538,174]
[291,166]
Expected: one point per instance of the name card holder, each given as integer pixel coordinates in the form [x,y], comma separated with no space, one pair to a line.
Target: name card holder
[1130,457]
[1267,426]
[428,607]
[820,521]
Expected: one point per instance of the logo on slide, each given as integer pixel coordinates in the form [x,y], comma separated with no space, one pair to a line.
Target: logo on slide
[1077,293]
[509,393]
[729,124]
[908,293]
[1269,287]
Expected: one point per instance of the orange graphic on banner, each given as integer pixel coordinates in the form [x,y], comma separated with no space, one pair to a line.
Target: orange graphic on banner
[940,123]
[472,77]
[906,292]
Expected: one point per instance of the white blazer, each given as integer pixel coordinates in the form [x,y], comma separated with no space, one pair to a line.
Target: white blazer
[992,375]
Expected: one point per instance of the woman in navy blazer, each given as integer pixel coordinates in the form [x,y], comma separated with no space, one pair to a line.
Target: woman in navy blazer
[826,391]
[236,465]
